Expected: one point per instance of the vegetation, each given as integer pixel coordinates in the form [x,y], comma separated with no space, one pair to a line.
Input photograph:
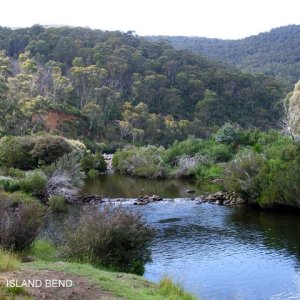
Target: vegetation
[19,222]
[57,204]
[273,53]
[8,261]
[263,167]
[111,88]
[93,162]
[121,285]
[112,237]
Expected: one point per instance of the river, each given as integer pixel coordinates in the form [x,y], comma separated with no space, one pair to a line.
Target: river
[214,251]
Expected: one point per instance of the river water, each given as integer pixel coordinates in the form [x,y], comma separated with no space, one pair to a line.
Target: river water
[215,252]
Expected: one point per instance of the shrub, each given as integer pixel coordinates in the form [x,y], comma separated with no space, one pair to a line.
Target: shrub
[226,134]
[15,153]
[143,161]
[93,162]
[110,237]
[43,250]
[8,261]
[241,172]
[19,223]
[57,204]
[9,184]
[171,290]
[188,147]
[49,148]
[34,183]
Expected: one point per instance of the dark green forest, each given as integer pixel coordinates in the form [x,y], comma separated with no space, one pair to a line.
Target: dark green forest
[275,53]
[113,88]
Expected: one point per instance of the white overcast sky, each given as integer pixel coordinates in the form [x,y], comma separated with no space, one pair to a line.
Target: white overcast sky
[208,18]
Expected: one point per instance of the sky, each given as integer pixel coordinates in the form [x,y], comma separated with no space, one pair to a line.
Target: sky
[226,19]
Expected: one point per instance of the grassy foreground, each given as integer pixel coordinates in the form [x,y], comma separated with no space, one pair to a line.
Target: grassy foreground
[114,285]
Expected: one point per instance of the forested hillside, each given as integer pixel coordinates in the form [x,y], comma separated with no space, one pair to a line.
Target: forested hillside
[275,53]
[114,88]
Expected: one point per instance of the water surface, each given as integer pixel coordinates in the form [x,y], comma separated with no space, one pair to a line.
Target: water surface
[214,251]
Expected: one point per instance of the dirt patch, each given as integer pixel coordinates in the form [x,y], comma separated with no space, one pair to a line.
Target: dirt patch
[53,119]
[50,288]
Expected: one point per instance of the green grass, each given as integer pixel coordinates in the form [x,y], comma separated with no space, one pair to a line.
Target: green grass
[8,261]
[128,286]
[43,250]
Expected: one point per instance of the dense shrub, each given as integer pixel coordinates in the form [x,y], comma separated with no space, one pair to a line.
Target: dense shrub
[143,161]
[93,162]
[57,204]
[226,134]
[34,182]
[43,250]
[8,262]
[9,184]
[49,148]
[19,223]
[188,147]
[110,237]
[15,153]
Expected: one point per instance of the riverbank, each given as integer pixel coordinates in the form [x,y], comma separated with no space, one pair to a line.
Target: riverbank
[82,281]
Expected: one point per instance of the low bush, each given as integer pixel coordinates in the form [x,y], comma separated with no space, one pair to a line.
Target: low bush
[93,162]
[48,148]
[19,223]
[9,185]
[8,261]
[172,290]
[34,183]
[43,250]
[57,204]
[144,161]
[110,237]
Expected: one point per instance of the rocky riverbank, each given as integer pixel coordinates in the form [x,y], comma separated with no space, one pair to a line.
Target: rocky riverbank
[222,198]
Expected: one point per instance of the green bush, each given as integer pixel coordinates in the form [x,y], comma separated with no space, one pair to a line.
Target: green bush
[9,185]
[93,162]
[171,290]
[34,183]
[57,204]
[15,153]
[144,161]
[49,148]
[19,223]
[110,237]
[43,250]
[227,134]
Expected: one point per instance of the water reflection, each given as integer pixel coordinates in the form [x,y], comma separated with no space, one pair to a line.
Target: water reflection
[117,185]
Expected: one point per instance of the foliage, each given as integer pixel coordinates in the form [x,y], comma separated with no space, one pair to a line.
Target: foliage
[34,182]
[171,290]
[57,204]
[273,53]
[117,87]
[8,261]
[143,161]
[49,148]
[19,223]
[110,237]
[93,162]
[43,250]
[9,185]
[226,134]
[15,153]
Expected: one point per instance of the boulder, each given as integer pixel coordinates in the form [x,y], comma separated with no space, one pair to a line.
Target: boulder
[240,201]
[190,191]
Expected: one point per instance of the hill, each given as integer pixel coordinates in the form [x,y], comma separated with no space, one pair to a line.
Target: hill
[114,87]
[275,53]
